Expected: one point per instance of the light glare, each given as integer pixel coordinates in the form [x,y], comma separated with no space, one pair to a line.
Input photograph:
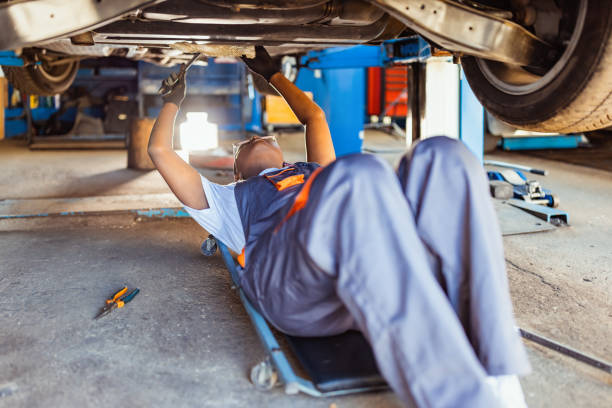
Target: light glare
[196,133]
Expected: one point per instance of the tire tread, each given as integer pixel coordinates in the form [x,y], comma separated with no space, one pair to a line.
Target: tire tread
[592,108]
[26,81]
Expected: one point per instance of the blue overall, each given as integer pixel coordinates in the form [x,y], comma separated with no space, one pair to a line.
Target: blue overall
[414,262]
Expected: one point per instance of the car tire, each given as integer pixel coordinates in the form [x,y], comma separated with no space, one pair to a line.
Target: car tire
[42,80]
[575,95]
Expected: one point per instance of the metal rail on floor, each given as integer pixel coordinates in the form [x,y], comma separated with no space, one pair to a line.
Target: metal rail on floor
[148,212]
[568,351]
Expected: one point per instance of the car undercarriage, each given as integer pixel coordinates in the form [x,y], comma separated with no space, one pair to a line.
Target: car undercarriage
[513,51]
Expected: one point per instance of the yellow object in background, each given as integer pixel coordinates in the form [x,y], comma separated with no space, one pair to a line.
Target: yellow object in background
[34,101]
[278,112]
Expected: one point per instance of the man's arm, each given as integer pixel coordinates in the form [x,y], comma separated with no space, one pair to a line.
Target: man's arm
[319,146]
[183,180]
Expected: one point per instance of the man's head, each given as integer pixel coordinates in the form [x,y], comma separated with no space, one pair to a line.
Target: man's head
[255,155]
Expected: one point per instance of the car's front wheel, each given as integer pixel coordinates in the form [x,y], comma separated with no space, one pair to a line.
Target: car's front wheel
[43,79]
[574,95]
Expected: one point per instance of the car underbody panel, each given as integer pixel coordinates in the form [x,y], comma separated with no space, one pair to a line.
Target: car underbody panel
[28,23]
[462,29]
[148,29]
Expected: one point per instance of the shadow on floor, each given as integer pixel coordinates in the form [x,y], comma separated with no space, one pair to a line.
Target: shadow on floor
[99,183]
[598,155]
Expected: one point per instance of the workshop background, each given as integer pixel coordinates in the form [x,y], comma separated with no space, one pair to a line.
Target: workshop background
[83,213]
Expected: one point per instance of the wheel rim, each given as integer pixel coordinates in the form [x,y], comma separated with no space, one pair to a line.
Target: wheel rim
[57,73]
[516,80]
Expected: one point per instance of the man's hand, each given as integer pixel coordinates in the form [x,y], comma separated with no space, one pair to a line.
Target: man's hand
[262,64]
[175,83]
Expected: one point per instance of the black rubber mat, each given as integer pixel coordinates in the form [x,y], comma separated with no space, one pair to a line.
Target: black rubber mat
[338,362]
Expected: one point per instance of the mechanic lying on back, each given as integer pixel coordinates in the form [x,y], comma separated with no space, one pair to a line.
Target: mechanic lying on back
[413,260]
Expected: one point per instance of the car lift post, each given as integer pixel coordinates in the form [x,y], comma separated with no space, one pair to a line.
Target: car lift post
[471,119]
[340,93]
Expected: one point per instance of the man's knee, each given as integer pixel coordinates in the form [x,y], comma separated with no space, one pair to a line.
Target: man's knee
[362,166]
[451,151]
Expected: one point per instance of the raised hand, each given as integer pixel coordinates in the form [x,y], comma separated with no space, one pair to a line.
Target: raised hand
[262,64]
[173,88]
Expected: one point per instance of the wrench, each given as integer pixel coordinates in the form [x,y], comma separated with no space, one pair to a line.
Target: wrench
[168,83]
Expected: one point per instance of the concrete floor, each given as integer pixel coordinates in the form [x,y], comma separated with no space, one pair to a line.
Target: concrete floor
[186,341]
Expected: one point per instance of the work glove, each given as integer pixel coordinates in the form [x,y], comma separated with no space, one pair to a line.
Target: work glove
[175,84]
[262,64]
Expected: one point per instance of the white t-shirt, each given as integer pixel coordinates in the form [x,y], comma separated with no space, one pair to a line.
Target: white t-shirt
[221,218]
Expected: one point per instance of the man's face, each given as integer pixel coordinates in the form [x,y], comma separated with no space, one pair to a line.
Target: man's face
[256,154]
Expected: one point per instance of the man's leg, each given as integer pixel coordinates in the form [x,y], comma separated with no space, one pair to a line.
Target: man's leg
[356,238]
[448,193]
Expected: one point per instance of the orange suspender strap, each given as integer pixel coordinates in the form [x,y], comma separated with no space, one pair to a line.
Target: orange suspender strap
[301,199]
[287,181]
[240,258]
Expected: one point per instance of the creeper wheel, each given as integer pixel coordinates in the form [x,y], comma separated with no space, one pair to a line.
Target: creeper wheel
[209,246]
[263,375]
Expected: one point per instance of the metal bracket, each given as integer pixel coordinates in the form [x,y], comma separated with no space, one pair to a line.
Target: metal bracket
[462,29]
[550,215]
[401,51]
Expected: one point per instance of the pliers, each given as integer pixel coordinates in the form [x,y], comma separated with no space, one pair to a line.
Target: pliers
[118,301]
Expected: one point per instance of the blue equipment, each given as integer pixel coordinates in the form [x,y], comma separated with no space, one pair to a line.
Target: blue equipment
[337,365]
[336,77]
[525,189]
[9,58]
[541,142]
